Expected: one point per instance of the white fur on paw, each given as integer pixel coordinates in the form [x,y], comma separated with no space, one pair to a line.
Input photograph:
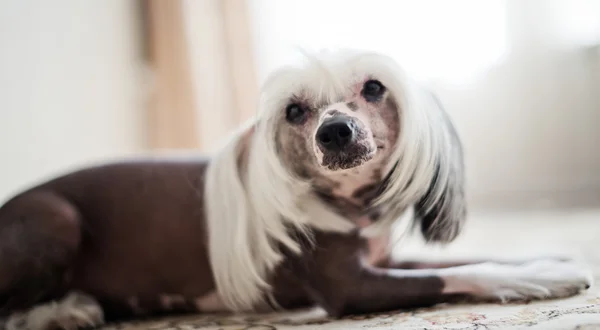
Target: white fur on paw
[534,280]
[75,311]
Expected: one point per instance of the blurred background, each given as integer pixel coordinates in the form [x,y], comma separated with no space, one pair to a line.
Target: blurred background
[89,81]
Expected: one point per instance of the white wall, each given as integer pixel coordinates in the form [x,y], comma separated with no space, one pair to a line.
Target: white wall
[69,87]
[515,75]
[530,123]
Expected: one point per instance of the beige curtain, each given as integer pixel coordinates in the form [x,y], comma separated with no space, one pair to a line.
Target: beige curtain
[202,61]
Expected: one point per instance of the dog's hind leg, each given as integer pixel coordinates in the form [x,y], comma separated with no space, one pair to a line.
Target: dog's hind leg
[74,311]
[40,235]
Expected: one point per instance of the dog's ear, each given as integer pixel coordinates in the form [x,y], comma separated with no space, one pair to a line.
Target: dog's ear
[243,147]
[230,220]
[441,212]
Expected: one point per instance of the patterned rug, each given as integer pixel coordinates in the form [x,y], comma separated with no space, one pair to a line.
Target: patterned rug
[577,233]
[581,312]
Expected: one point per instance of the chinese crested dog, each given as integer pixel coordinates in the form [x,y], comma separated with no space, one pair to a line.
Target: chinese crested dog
[295,210]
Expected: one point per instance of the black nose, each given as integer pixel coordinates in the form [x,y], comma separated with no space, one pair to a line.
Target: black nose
[334,134]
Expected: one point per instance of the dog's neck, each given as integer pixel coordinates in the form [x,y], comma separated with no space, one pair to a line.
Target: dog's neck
[351,192]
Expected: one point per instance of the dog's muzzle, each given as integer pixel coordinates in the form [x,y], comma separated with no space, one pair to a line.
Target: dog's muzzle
[343,142]
[336,134]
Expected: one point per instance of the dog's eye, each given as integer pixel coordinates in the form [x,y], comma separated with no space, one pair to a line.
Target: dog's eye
[295,113]
[373,90]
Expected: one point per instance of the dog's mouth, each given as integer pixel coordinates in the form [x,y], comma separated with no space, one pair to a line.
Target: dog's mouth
[344,144]
[354,156]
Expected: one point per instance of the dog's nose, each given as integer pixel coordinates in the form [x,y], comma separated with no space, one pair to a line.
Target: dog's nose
[334,134]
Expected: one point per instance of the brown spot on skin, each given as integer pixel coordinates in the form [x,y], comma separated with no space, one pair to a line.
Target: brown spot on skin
[367,193]
[377,174]
[375,215]
[341,205]
[352,106]
[335,113]
[391,118]
[326,195]
[324,184]
[303,173]
[293,148]
[364,190]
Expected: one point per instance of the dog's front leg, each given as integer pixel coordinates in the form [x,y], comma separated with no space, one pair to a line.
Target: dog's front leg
[339,280]
[427,264]
[377,290]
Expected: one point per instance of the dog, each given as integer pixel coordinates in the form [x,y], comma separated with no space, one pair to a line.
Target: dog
[294,210]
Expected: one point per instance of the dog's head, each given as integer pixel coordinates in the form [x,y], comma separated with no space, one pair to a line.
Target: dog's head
[349,116]
[324,135]
[332,117]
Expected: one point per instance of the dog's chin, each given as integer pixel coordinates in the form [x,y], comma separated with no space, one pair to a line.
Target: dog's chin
[355,157]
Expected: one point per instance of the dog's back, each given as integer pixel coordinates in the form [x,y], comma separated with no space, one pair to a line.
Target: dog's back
[127,233]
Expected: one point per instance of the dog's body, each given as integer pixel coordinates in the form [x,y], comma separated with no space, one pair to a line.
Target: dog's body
[280,217]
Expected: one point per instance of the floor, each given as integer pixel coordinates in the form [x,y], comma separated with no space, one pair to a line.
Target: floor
[574,233]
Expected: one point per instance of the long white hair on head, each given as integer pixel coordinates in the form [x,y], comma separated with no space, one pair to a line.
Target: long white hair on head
[252,201]
[426,168]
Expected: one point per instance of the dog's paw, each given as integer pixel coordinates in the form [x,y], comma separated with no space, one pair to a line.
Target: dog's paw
[539,279]
[74,312]
[559,278]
